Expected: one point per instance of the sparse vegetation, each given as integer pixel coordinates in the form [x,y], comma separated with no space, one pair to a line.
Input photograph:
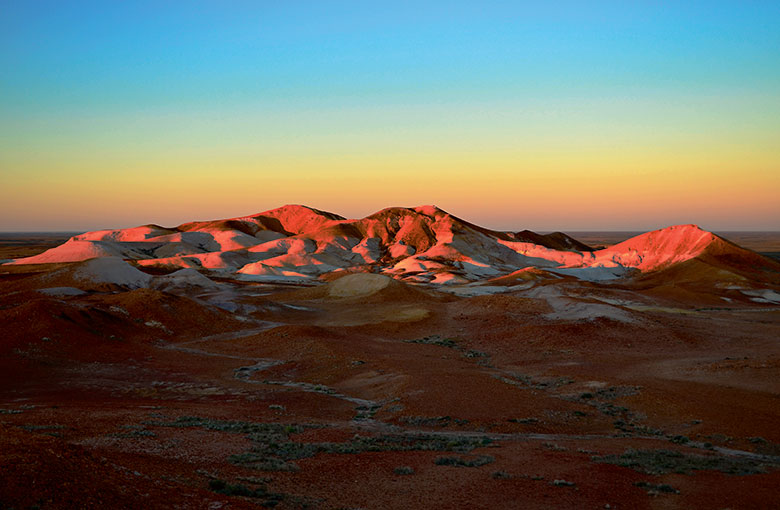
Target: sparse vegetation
[274,451]
[524,421]
[272,455]
[262,462]
[659,462]
[480,460]
[434,340]
[654,489]
[227,489]
[432,421]
[613,392]
[35,428]
[133,431]
[526,381]
[366,412]
[500,475]
[403,470]
[451,344]
[562,483]
[242,427]
[255,480]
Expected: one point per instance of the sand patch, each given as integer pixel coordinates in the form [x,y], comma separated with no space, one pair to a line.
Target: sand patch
[112,270]
[358,284]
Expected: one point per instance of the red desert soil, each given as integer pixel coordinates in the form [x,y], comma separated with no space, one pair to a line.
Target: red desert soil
[365,393]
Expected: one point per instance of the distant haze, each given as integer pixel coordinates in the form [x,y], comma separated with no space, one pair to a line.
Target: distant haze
[573,116]
[537,220]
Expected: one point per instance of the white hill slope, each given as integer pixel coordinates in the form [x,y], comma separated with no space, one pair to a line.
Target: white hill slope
[422,244]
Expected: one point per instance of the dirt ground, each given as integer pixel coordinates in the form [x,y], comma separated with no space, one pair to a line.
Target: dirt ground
[409,397]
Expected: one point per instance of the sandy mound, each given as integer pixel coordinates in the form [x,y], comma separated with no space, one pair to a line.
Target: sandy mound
[363,287]
[105,274]
[184,278]
[358,284]
[112,270]
[527,274]
[71,251]
[658,249]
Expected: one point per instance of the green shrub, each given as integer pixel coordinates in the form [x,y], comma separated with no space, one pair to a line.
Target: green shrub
[480,460]
[222,487]
[659,462]
[656,489]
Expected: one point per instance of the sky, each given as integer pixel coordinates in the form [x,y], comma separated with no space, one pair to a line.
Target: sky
[574,116]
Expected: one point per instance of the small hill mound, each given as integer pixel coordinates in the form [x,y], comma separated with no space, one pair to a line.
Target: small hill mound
[747,263]
[358,285]
[184,279]
[660,248]
[98,274]
[366,287]
[72,251]
[113,271]
[528,274]
[299,219]
[555,241]
[688,253]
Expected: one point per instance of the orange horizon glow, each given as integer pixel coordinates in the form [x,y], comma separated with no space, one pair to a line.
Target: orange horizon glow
[624,118]
[577,191]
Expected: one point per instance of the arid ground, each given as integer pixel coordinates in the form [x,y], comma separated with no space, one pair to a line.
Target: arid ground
[657,392]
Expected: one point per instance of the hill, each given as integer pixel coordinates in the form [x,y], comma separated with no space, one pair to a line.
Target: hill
[423,244]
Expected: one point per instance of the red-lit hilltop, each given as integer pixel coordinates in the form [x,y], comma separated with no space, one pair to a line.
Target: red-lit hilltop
[420,245]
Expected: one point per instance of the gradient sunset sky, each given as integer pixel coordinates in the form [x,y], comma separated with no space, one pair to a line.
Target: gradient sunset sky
[578,116]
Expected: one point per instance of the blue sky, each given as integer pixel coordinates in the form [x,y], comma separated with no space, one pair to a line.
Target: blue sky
[98,85]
